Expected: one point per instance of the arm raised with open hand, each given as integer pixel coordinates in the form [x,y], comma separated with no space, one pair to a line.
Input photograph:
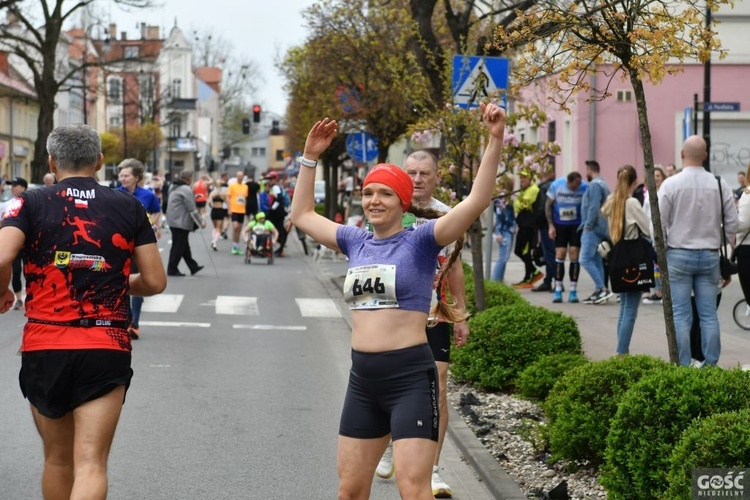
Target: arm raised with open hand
[454,224]
[303,213]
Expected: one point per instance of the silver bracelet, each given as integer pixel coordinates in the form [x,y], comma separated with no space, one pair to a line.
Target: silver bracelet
[308,163]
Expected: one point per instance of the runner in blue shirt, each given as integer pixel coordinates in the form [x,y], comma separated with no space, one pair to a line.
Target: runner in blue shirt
[563,210]
[130,173]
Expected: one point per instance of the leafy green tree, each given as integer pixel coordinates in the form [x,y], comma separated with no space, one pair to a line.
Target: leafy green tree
[641,41]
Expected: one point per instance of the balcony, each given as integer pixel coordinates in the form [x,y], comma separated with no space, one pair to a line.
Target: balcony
[181,104]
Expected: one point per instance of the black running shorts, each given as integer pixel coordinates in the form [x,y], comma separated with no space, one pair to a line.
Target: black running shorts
[566,236]
[393,392]
[439,337]
[58,381]
[238,217]
[218,213]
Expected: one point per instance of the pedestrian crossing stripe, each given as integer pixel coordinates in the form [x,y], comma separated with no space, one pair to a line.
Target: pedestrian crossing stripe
[318,308]
[175,323]
[301,328]
[240,306]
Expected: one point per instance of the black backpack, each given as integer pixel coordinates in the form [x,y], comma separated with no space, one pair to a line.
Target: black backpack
[539,205]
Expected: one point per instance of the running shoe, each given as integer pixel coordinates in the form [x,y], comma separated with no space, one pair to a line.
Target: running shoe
[603,296]
[385,467]
[526,283]
[573,297]
[652,299]
[557,298]
[591,299]
[536,276]
[439,487]
[236,251]
[18,305]
[213,245]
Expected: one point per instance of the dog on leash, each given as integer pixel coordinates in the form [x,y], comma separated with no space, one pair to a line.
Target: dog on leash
[324,253]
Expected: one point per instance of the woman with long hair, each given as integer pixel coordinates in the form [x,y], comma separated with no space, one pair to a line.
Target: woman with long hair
[655,296]
[393,391]
[627,220]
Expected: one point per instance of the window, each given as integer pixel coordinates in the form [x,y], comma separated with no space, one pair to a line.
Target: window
[147,87]
[258,152]
[115,89]
[131,52]
[176,88]
[176,126]
[279,155]
[552,137]
[114,122]
[624,95]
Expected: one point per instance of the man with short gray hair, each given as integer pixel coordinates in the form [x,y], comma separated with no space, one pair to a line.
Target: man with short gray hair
[77,238]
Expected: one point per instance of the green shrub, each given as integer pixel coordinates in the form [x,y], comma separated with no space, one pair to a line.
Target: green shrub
[506,339]
[537,379]
[584,401]
[651,418]
[721,440]
[495,293]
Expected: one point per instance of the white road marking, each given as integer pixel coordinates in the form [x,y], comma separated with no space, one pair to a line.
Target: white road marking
[163,303]
[181,324]
[270,327]
[318,308]
[239,306]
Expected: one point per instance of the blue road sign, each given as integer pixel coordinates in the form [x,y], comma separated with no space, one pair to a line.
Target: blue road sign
[721,106]
[476,78]
[362,146]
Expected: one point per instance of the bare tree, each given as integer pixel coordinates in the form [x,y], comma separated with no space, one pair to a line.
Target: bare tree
[34,38]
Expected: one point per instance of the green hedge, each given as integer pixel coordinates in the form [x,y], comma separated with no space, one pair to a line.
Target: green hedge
[581,406]
[536,380]
[495,293]
[652,416]
[504,340]
[721,440]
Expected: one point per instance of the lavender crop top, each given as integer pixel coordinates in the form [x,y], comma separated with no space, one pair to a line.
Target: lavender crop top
[394,272]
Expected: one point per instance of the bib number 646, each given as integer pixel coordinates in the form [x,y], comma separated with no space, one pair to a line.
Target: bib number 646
[369,286]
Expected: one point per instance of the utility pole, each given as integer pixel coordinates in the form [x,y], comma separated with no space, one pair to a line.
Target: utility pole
[707,94]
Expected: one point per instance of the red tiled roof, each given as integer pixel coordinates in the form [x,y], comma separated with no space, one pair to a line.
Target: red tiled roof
[211,75]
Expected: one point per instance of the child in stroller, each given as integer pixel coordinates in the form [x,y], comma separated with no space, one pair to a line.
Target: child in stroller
[262,236]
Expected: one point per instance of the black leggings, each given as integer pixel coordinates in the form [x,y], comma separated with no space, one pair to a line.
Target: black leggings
[743,269]
[525,241]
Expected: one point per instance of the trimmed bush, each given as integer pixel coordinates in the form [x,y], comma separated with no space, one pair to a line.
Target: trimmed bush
[537,379]
[504,340]
[495,293]
[652,416]
[721,440]
[584,401]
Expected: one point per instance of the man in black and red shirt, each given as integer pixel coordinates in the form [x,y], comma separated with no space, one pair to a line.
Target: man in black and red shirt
[77,239]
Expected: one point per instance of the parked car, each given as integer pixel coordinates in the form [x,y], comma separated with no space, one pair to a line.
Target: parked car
[320,191]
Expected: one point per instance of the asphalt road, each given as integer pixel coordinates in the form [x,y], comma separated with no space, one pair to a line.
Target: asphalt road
[239,379]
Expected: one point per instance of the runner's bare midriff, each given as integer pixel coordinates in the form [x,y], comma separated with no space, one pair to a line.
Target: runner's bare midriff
[387,329]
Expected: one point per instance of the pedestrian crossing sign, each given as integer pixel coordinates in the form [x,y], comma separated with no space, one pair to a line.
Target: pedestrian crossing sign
[476,78]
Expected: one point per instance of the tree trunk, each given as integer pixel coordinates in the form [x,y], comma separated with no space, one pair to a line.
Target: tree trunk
[431,60]
[475,237]
[46,88]
[661,250]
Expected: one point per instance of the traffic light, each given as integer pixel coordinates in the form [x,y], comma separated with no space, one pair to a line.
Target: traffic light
[246,126]
[256,113]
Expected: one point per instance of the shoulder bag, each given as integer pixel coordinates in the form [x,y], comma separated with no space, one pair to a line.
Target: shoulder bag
[727,266]
[631,264]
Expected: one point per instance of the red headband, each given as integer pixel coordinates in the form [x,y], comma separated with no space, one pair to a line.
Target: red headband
[395,178]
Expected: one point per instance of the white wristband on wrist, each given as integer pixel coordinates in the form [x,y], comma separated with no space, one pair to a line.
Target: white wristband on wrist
[308,163]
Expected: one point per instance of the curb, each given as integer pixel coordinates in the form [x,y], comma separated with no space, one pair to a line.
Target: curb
[499,482]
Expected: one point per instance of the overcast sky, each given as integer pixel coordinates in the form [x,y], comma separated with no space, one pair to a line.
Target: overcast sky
[258,29]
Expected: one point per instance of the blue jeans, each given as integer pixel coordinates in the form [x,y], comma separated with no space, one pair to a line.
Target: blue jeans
[505,249]
[548,249]
[629,302]
[695,271]
[590,259]
[136,303]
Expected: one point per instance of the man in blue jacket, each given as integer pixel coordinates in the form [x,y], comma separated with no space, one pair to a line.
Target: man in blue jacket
[594,229]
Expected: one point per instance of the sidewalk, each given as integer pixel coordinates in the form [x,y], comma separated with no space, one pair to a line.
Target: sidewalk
[598,323]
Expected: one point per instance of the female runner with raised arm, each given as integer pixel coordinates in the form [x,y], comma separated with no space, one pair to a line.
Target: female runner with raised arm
[392,388]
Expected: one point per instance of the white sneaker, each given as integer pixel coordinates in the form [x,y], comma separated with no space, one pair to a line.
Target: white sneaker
[385,467]
[696,364]
[439,488]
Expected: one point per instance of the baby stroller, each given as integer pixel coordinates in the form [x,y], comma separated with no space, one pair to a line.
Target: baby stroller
[259,245]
